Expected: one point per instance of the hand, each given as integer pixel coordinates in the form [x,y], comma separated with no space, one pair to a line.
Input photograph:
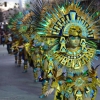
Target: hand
[49,92]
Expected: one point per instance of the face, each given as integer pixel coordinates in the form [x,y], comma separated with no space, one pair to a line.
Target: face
[74,41]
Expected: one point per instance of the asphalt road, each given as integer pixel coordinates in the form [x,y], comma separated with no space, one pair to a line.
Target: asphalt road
[15,85]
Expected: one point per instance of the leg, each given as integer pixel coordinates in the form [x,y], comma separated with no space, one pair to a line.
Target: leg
[16,58]
[45,81]
[35,74]
[25,66]
[44,88]
[15,52]
[19,59]
[25,58]
[8,48]
[3,43]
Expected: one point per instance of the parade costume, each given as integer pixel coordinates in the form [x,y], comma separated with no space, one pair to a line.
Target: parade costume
[32,53]
[14,25]
[20,28]
[71,27]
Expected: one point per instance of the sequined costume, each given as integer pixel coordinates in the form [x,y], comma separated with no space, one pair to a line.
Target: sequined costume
[71,27]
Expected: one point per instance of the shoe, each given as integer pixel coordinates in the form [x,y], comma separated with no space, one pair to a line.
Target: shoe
[36,80]
[40,79]
[25,71]
[15,62]
[42,96]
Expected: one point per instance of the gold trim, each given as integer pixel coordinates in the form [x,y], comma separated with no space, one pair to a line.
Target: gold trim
[75,63]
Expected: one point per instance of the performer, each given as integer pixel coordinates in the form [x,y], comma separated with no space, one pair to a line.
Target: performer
[15,48]
[77,59]
[28,51]
[9,43]
[18,50]
[72,28]
[37,54]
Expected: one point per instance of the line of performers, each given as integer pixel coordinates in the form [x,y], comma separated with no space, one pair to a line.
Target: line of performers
[62,44]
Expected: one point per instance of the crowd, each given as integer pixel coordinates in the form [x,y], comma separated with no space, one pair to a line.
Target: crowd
[6,39]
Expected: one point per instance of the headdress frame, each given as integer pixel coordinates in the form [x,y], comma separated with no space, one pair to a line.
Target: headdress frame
[63,18]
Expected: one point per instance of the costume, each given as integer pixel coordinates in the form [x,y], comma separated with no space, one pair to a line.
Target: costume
[71,28]
[68,29]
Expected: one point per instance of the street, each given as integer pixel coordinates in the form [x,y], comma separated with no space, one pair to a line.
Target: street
[15,85]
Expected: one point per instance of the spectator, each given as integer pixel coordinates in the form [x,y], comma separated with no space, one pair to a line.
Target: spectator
[3,38]
[9,43]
